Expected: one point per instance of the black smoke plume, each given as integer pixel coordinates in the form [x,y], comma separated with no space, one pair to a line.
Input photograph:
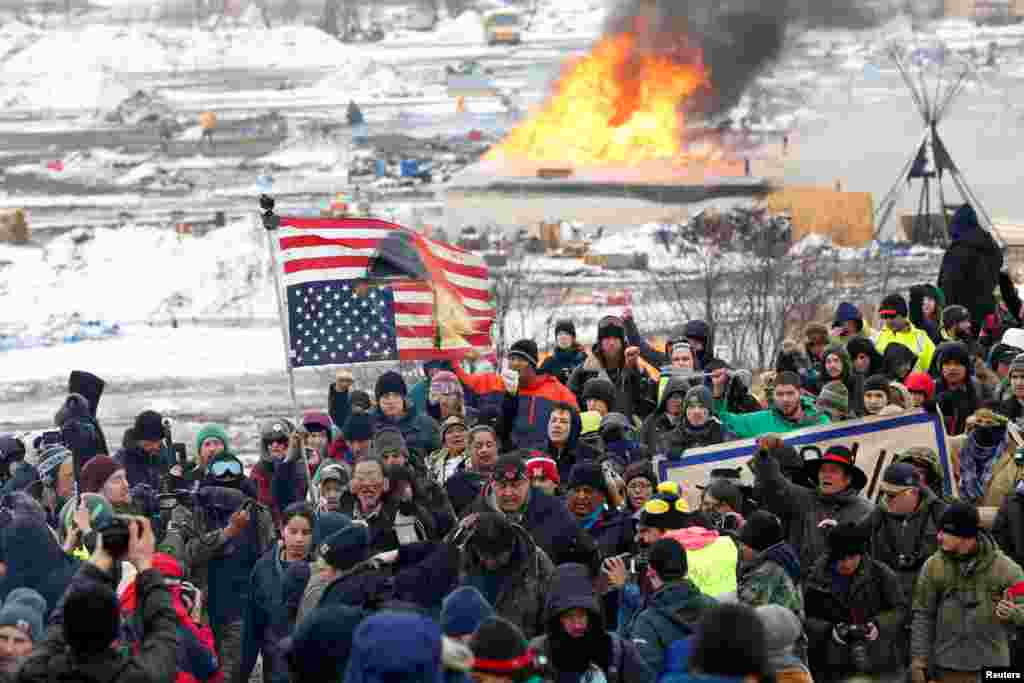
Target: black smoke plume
[738,39]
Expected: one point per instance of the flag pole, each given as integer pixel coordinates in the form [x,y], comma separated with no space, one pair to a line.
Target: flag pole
[271,222]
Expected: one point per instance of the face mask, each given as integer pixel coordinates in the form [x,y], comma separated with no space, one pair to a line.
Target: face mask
[989,436]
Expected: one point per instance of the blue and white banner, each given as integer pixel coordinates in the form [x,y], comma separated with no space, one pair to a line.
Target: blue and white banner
[879,440]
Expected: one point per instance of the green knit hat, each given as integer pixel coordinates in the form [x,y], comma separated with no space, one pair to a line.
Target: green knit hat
[214,431]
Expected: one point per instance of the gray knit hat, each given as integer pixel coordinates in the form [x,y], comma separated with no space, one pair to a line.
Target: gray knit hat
[389,440]
[700,395]
[834,398]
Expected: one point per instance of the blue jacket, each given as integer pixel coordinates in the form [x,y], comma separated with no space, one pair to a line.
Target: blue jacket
[671,614]
[562,362]
[266,620]
[393,646]
[422,433]
[141,468]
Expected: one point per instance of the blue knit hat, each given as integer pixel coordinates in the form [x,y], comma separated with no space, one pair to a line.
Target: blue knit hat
[328,524]
[320,645]
[347,548]
[24,609]
[463,610]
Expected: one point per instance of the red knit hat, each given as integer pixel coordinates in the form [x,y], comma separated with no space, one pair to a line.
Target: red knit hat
[545,466]
[97,471]
[922,383]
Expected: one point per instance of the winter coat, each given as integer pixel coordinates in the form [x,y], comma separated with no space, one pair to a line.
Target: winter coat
[802,509]
[635,391]
[265,621]
[619,659]
[219,566]
[339,405]
[771,421]
[931,327]
[562,362]
[858,345]
[142,468]
[443,464]
[657,425]
[970,267]
[392,518]
[1008,529]
[960,403]
[905,542]
[1005,475]
[671,614]
[914,339]
[613,532]
[421,432]
[363,586]
[518,592]
[545,519]
[464,488]
[34,560]
[771,578]
[196,652]
[686,437]
[875,596]
[955,625]
[531,407]
[155,662]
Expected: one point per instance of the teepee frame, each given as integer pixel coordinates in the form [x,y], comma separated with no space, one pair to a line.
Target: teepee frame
[931,160]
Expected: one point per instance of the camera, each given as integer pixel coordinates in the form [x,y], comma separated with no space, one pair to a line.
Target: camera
[727,522]
[907,562]
[115,535]
[856,638]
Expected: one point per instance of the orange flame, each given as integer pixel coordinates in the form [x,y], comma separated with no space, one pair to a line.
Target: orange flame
[616,106]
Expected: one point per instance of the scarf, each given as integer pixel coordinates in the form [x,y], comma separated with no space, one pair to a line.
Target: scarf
[590,520]
[976,463]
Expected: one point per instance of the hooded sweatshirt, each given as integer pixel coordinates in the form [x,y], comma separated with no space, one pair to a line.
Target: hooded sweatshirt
[862,345]
[671,614]
[396,646]
[899,361]
[772,577]
[917,295]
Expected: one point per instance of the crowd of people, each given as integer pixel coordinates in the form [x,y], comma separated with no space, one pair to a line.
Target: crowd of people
[511,527]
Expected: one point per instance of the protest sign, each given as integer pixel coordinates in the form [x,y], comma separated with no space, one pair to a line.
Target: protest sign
[879,440]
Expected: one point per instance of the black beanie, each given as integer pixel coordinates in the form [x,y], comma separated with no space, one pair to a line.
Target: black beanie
[358,427]
[877,383]
[91,618]
[149,426]
[566,326]
[789,378]
[668,558]
[894,304]
[611,326]
[846,540]
[588,474]
[761,531]
[956,352]
[527,350]
[390,383]
[346,548]
[961,520]
[601,389]
[499,647]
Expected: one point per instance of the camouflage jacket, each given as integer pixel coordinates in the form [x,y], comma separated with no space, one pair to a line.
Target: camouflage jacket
[768,579]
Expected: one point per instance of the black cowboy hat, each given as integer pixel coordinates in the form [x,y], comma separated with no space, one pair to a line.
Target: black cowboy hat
[838,455]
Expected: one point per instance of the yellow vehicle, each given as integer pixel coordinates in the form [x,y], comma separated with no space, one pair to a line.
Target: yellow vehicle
[504,26]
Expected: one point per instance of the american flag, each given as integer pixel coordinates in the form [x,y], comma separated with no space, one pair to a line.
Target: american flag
[343,309]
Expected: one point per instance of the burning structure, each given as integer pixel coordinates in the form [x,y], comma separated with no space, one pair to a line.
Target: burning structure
[632,111]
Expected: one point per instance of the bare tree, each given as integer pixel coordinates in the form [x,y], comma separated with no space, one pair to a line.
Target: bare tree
[517,297]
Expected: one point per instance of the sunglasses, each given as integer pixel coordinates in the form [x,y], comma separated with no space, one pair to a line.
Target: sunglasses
[226,468]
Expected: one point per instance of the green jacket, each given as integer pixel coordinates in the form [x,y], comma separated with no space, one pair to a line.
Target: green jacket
[954,623]
[771,421]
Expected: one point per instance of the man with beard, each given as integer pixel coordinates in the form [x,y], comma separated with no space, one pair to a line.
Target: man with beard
[510,494]
[611,360]
[811,514]
[21,627]
[148,459]
[465,486]
[789,412]
[575,643]
[389,445]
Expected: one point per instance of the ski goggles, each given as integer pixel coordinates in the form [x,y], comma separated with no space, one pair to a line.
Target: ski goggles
[226,468]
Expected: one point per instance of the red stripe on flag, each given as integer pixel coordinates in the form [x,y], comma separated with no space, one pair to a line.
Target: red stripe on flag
[320,262]
[299,241]
[414,309]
